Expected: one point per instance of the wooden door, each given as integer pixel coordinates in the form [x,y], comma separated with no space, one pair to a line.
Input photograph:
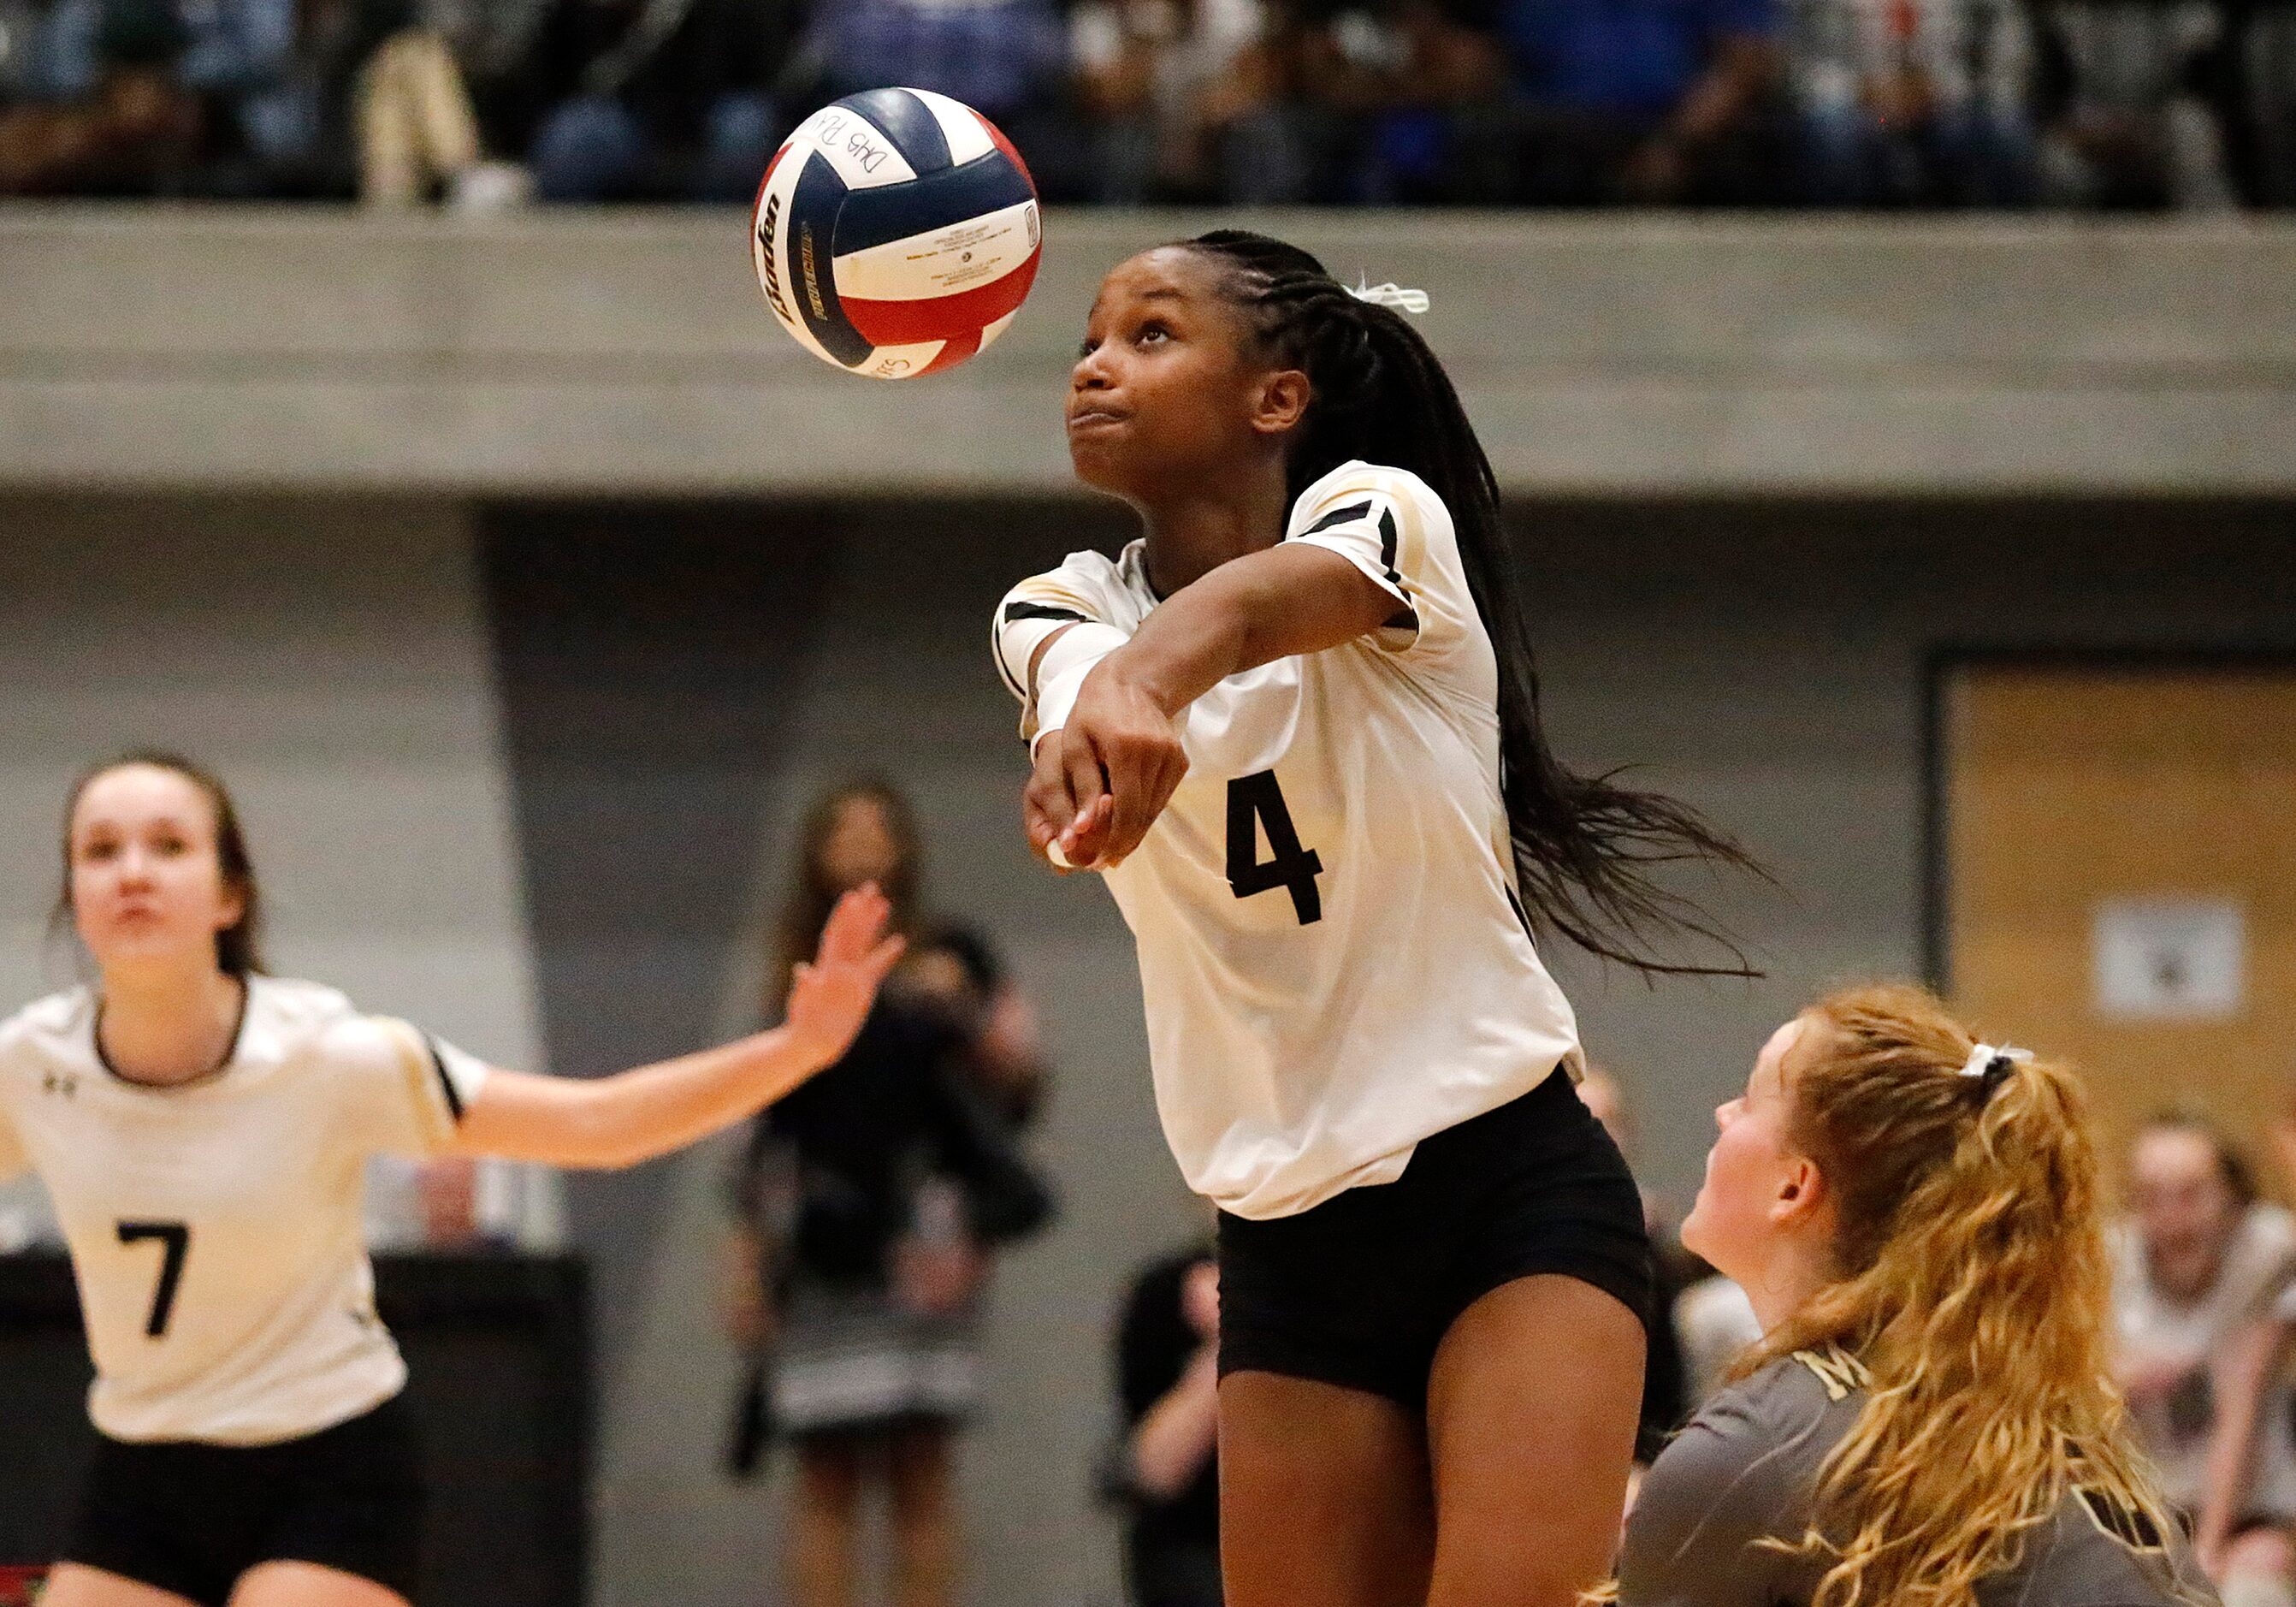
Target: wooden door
[2117,882]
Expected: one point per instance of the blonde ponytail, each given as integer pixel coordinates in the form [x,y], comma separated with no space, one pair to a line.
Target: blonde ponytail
[1973,1288]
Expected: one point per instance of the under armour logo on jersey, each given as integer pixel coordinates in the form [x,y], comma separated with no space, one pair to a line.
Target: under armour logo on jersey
[63,1082]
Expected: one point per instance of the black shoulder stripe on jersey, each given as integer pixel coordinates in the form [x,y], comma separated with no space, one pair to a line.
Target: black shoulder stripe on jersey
[446,1084]
[1340,515]
[1015,611]
[1407,618]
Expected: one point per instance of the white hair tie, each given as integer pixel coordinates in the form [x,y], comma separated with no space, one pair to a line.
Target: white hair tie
[1994,1064]
[1390,295]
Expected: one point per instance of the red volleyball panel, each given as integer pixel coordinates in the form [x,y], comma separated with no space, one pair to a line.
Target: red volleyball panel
[761,198]
[963,346]
[940,318]
[1005,145]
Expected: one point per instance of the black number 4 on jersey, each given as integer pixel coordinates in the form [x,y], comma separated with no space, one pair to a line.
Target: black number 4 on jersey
[1257,801]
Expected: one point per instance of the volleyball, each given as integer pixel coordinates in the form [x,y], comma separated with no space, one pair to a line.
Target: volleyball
[896,232]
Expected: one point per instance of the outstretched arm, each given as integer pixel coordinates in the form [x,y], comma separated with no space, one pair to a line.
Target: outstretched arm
[1104,776]
[635,1115]
[2242,1377]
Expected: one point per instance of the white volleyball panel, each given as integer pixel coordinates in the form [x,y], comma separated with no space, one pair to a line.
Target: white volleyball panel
[900,362]
[967,135]
[944,262]
[988,335]
[863,154]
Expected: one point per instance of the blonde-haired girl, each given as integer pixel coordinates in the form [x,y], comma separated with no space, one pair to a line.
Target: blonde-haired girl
[1928,1420]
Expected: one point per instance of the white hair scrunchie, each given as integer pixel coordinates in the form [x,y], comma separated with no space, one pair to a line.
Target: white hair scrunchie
[1395,296]
[1985,1056]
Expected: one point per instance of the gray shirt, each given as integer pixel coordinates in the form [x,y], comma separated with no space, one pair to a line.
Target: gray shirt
[1746,1469]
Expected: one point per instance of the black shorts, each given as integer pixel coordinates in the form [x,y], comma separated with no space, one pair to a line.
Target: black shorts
[1360,1290]
[191,1517]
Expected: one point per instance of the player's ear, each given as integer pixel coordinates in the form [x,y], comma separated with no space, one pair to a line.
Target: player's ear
[1281,402]
[232,908]
[1802,1194]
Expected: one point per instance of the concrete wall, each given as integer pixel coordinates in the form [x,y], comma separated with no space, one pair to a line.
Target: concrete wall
[631,352]
[529,774]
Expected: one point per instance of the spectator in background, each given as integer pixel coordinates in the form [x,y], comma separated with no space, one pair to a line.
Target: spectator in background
[1916,103]
[246,60]
[867,1211]
[1386,81]
[2245,1544]
[2194,1269]
[1643,100]
[655,99]
[1005,59]
[1183,95]
[2265,35]
[1165,1470]
[96,105]
[2134,121]
[416,130]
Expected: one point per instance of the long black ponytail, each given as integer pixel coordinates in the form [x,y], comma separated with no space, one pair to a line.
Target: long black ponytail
[1584,846]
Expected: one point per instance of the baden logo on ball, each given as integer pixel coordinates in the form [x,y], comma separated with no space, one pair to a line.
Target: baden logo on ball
[896,232]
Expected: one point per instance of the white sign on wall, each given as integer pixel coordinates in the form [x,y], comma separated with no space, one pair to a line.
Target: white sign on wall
[2169,959]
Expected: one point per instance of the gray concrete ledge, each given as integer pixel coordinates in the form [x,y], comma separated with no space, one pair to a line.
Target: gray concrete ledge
[628,352]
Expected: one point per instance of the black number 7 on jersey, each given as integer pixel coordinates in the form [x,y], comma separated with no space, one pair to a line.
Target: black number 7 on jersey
[1257,801]
[176,1238]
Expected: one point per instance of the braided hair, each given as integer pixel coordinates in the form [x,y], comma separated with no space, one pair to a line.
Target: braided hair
[1584,846]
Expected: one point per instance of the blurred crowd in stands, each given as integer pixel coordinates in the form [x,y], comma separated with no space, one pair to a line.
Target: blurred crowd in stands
[2183,103]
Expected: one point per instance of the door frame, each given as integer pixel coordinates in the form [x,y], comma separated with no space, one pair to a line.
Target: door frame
[1938,668]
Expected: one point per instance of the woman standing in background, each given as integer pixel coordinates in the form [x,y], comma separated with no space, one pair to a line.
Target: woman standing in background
[866,1217]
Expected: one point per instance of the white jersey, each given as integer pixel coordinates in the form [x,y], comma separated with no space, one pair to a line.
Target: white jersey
[214,1226]
[2177,1428]
[1332,951]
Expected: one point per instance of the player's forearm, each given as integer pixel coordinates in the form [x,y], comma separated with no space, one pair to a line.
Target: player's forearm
[2239,1389]
[635,1115]
[1190,643]
[1248,611]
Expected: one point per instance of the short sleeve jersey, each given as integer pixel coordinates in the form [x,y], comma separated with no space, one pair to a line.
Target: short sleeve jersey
[1745,1473]
[1334,956]
[214,1226]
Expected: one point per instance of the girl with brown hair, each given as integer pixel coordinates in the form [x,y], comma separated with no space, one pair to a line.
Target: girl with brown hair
[866,1212]
[1928,1419]
[203,1128]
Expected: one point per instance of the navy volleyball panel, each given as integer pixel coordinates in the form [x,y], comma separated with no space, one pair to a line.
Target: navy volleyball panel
[908,122]
[933,200]
[816,217]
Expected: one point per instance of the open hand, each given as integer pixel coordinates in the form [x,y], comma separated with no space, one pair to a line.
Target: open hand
[830,997]
[1102,780]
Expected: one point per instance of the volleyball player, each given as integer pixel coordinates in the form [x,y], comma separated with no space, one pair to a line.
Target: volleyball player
[1928,1419]
[203,1129]
[1297,726]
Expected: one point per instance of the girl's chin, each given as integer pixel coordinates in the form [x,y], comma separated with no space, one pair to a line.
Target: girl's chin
[145,947]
